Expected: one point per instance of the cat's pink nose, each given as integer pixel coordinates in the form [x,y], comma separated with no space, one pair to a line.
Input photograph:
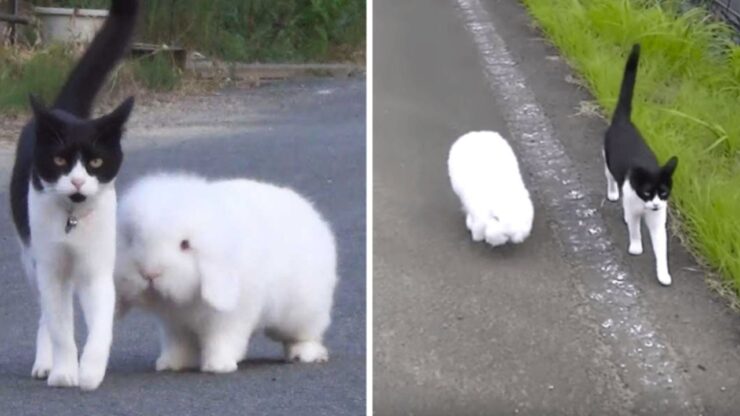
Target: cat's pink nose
[78,183]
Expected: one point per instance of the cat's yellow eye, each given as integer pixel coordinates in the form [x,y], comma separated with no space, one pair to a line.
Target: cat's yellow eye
[96,163]
[60,161]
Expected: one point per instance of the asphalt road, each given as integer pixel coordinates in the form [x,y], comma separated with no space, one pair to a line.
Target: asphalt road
[541,328]
[309,135]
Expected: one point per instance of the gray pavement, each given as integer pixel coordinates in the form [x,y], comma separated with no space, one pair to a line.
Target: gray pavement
[461,328]
[309,135]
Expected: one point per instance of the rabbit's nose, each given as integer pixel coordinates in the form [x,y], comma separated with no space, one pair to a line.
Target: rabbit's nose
[149,275]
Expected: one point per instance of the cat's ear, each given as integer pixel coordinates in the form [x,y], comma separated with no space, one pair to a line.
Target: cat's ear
[111,124]
[36,105]
[47,125]
[670,166]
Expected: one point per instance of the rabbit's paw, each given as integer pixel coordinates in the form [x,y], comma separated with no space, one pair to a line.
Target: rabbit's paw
[477,233]
[307,352]
[176,361]
[518,238]
[218,365]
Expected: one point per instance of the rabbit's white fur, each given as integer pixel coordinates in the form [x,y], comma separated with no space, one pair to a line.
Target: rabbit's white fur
[259,256]
[484,174]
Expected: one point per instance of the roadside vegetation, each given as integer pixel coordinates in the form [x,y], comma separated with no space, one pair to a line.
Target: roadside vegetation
[42,71]
[230,30]
[23,71]
[250,30]
[687,102]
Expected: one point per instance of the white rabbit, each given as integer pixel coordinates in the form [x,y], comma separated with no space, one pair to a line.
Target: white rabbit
[484,174]
[217,260]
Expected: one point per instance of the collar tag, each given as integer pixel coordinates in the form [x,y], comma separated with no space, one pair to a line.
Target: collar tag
[72,222]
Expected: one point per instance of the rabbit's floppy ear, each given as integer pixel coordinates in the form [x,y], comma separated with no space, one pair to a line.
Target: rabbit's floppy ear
[219,284]
[219,280]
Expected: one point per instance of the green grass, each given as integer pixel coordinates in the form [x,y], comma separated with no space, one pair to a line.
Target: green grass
[687,102]
[43,71]
[251,30]
[234,30]
[156,73]
[40,72]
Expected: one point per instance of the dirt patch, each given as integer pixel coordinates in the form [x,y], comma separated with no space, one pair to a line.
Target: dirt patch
[10,127]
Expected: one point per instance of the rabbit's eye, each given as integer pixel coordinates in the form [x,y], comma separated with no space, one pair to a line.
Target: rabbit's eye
[184,245]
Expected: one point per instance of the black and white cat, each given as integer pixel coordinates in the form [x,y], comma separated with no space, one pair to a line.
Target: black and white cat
[632,167]
[64,208]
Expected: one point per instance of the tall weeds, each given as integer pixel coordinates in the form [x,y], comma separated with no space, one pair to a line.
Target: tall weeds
[40,72]
[687,101]
[251,30]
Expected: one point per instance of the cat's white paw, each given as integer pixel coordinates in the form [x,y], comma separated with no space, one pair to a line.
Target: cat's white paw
[307,352]
[178,361]
[92,372]
[218,365]
[63,377]
[664,278]
[469,221]
[91,375]
[612,196]
[635,249]
[41,369]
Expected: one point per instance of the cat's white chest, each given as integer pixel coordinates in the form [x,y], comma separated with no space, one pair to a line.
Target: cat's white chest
[50,218]
[632,204]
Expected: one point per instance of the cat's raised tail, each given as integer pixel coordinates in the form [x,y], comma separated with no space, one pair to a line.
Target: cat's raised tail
[105,51]
[624,105]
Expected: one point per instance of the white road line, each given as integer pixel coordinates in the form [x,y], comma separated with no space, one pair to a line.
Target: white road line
[634,343]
